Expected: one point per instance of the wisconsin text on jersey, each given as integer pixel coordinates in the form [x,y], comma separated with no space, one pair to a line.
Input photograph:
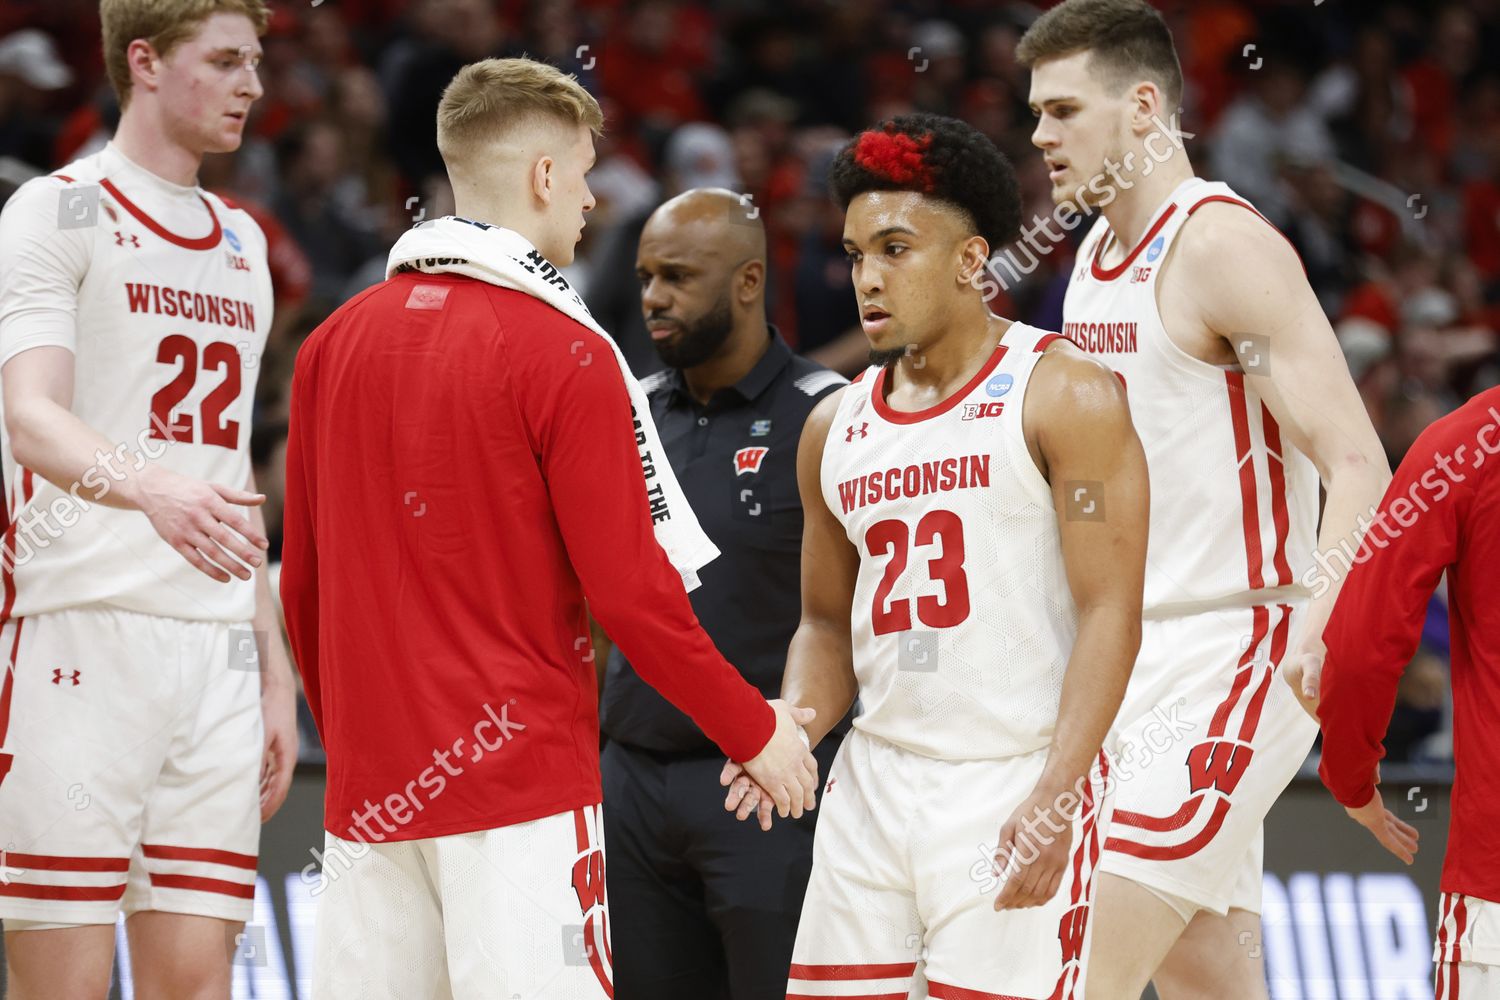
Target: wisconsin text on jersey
[220,309]
[1102,337]
[962,473]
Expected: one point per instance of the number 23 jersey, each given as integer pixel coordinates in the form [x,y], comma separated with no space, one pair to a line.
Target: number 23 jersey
[162,294]
[963,620]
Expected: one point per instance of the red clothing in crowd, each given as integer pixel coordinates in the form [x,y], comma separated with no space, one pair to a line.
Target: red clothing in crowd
[461,471]
[1441,512]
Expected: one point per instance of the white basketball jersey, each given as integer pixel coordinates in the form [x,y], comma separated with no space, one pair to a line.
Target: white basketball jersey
[1234,506]
[963,620]
[170,300]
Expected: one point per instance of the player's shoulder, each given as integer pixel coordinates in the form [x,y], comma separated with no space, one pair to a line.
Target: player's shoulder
[1068,380]
[1222,226]
[49,194]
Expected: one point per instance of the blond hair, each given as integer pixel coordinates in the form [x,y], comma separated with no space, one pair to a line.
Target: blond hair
[487,100]
[165,24]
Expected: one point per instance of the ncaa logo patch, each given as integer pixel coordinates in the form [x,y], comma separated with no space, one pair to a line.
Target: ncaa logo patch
[749,459]
[1154,250]
[999,385]
[232,240]
[760,428]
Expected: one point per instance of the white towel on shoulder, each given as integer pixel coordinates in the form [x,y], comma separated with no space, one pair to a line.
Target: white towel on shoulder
[503,257]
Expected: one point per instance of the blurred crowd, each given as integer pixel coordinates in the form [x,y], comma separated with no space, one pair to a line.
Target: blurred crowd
[1369,133]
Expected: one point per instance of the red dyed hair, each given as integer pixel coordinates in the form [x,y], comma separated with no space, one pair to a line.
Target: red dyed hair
[896,156]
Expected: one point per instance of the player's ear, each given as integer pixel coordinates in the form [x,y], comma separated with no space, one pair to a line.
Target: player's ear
[1147,105]
[541,179]
[973,255]
[144,63]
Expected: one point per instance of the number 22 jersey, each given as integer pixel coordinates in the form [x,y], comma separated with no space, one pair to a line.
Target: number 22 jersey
[162,294]
[963,620]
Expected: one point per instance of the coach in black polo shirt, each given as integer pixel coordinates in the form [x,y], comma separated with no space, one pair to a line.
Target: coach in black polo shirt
[701,905]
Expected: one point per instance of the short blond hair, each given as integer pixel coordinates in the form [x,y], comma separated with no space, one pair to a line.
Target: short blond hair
[487,100]
[165,24]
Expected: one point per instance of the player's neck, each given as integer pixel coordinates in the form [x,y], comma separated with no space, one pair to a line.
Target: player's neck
[944,365]
[746,346]
[1131,213]
[142,141]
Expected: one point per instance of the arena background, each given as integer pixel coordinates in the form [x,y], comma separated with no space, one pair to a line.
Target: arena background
[1368,132]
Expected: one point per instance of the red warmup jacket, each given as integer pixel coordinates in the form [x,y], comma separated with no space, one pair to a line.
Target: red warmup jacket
[462,470]
[1441,512]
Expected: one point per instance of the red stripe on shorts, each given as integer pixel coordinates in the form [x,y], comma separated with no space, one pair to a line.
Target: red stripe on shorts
[168,853]
[198,884]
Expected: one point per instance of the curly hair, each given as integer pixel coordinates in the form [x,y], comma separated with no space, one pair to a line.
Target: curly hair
[941,157]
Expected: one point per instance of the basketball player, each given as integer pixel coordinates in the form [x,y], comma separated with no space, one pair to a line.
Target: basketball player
[1243,404]
[973,556]
[140,745]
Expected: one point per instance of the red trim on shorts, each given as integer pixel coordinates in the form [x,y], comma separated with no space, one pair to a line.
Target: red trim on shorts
[1175,852]
[199,884]
[877,393]
[1277,466]
[1161,824]
[843,971]
[1249,503]
[1445,903]
[943,991]
[1261,625]
[1279,640]
[207,242]
[207,854]
[62,863]
[598,953]
[8,688]
[1110,274]
[71,893]
[1460,921]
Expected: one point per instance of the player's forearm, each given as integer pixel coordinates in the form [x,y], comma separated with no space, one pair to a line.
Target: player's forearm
[1354,489]
[51,441]
[1093,687]
[820,674]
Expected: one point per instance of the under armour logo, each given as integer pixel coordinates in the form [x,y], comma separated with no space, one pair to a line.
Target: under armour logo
[120,239]
[829,787]
[863,430]
[58,676]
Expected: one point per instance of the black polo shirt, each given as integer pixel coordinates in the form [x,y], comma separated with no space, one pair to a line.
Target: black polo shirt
[736,459]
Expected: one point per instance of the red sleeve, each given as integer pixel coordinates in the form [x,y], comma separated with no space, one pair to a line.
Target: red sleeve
[579,413]
[299,556]
[1377,620]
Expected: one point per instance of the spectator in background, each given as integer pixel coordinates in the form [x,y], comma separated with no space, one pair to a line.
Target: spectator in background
[30,71]
[460,31]
[323,207]
[1264,126]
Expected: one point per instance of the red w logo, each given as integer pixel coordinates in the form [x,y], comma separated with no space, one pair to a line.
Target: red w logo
[1070,931]
[1218,764]
[749,459]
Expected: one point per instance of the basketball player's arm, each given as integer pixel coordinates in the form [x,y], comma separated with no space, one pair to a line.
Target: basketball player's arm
[1078,423]
[820,659]
[200,519]
[1304,381]
[278,691]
